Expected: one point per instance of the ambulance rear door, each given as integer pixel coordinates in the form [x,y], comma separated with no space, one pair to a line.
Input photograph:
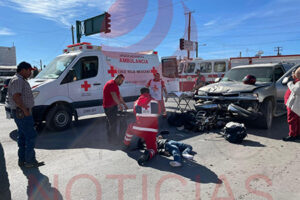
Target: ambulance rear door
[170,73]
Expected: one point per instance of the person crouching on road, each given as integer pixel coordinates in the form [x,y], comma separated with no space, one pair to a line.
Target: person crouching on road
[174,148]
[292,101]
[146,111]
[112,101]
[21,102]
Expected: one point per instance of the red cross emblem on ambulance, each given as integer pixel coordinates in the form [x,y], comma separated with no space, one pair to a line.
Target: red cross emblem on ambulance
[153,70]
[112,71]
[86,86]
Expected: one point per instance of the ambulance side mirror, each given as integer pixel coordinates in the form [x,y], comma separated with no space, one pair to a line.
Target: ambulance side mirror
[70,77]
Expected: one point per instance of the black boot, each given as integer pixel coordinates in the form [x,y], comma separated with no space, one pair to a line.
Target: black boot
[144,158]
[289,138]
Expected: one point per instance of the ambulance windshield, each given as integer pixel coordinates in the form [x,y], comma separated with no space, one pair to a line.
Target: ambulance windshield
[56,67]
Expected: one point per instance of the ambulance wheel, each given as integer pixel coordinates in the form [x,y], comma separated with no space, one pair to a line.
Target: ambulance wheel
[59,118]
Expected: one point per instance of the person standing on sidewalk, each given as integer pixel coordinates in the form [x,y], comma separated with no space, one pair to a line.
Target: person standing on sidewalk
[112,101]
[21,101]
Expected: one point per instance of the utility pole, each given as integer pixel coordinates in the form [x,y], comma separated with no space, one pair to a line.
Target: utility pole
[72,29]
[41,64]
[189,33]
[196,49]
[278,49]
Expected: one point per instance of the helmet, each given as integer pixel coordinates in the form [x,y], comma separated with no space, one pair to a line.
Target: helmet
[249,79]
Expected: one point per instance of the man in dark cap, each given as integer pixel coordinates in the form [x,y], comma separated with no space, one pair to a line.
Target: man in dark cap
[21,101]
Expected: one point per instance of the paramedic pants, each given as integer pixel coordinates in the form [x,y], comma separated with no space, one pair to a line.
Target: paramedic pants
[294,123]
[111,114]
[177,148]
[149,138]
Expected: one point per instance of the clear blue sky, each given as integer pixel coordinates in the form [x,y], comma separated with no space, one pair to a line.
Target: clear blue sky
[40,29]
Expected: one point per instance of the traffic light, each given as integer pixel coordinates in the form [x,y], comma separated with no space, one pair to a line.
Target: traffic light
[107,22]
[181,44]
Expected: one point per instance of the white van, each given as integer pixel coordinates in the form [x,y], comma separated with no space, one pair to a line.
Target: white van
[72,84]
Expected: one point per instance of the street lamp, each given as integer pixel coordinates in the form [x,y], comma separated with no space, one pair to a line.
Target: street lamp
[197,48]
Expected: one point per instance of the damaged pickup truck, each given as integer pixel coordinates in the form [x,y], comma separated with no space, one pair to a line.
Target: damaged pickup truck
[251,92]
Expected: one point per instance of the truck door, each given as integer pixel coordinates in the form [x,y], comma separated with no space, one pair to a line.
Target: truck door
[86,88]
[170,73]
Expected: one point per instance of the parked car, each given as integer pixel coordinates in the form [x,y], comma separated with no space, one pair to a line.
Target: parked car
[3,91]
[249,92]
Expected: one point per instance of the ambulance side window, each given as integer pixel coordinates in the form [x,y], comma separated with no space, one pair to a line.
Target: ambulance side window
[220,67]
[205,67]
[86,67]
[190,68]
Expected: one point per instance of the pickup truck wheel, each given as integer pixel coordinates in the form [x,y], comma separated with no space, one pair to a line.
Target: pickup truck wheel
[265,121]
[59,118]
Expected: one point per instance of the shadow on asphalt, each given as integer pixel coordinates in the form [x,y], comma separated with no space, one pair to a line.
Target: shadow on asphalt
[91,133]
[86,133]
[278,130]
[191,170]
[4,182]
[39,187]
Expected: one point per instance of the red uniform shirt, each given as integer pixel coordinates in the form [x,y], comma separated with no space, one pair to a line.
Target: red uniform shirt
[110,86]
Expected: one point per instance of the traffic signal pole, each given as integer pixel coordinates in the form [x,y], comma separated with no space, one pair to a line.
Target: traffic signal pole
[189,35]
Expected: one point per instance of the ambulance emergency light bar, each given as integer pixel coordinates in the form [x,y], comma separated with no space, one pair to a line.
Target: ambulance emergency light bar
[88,46]
[81,46]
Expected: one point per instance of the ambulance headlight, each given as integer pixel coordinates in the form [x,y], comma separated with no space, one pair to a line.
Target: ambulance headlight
[35,93]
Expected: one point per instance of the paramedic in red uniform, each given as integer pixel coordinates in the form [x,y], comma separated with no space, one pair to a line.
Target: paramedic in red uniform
[146,111]
[112,101]
[292,118]
[157,87]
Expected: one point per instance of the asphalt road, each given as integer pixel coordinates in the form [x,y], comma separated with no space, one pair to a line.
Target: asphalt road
[80,164]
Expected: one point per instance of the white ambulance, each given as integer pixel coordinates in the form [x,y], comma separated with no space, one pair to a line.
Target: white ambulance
[186,74]
[72,84]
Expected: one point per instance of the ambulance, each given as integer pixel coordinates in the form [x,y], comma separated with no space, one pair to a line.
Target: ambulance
[186,74]
[72,84]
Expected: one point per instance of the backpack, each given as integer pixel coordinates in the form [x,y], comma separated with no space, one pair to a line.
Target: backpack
[235,132]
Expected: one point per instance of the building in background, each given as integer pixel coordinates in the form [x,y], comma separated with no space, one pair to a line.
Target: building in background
[8,56]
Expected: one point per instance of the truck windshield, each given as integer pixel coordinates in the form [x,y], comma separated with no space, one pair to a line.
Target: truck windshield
[262,74]
[56,67]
